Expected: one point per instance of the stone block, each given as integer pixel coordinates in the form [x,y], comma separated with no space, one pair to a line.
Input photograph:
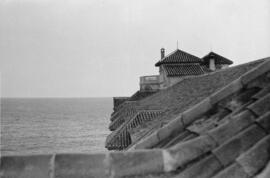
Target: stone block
[228,90]
[184,152]
[81,166]
[234,147]
[230,128]
[136,162]
[233,171]
[205,168]
[196,111]
[256,72]
[147,142]
[175,126]
[264,121]
[32,166]
[261,106]
[255,158]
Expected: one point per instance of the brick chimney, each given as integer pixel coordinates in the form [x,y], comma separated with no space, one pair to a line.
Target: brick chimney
[162,52]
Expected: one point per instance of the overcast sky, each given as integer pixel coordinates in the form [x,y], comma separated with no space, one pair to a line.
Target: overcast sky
[93,48]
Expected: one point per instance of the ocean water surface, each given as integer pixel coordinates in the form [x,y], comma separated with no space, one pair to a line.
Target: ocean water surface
[54,125]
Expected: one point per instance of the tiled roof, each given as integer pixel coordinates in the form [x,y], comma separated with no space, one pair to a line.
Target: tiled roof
[120,139]
[185,94]
[179,56]
[225,135]
[218,58]
[183,70]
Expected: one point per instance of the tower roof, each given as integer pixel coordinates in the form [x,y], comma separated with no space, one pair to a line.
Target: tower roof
[178,57]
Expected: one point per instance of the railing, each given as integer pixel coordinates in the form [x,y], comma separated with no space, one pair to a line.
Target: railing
[149,79]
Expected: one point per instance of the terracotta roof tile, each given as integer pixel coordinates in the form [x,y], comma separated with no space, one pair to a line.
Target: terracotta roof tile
[233,171]
[204,168]
[183,70]
[261,106]
[238,144]
[256,158]
[225,131]
[264,121]
[179,56]
[120,139]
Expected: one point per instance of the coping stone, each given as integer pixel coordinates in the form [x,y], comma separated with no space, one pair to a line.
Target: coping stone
[136,162]
[31,166]
[264,121]
[184,152]
[229,89]
[232,171]
[261,106]
[255,158]
[254,73]
[81,166]
[230,128]
[204,168]
[196,111]
[230,150]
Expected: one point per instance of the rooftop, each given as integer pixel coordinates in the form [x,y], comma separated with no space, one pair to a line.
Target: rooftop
[218,58]
[179,98]
[179,56]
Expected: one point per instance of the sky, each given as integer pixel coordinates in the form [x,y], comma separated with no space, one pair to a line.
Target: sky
[100,48]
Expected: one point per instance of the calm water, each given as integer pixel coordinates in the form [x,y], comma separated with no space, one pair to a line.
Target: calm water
[54,125]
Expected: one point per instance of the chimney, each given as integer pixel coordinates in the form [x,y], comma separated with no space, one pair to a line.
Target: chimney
[212,64]
[162,52]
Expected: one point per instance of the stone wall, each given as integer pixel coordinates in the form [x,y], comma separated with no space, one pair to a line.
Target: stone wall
[101,165]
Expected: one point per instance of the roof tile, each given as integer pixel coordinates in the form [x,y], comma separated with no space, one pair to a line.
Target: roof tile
[184,152]
[193,113]
[179,56]
[225,131]
[256,158]
[264,121]
[204,168]
[232,171]
[261,106]
[183,70]
[231,88]
[262,93]
[230,150]
[174,126]
[254,73]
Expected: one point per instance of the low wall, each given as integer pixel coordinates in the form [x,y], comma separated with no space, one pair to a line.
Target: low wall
[100,165]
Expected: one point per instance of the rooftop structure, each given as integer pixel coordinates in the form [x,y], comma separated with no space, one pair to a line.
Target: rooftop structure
[178,65]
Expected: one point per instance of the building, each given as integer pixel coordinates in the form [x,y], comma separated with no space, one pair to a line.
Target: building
[180,64]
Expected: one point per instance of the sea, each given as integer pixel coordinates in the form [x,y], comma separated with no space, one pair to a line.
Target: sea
[54,125]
